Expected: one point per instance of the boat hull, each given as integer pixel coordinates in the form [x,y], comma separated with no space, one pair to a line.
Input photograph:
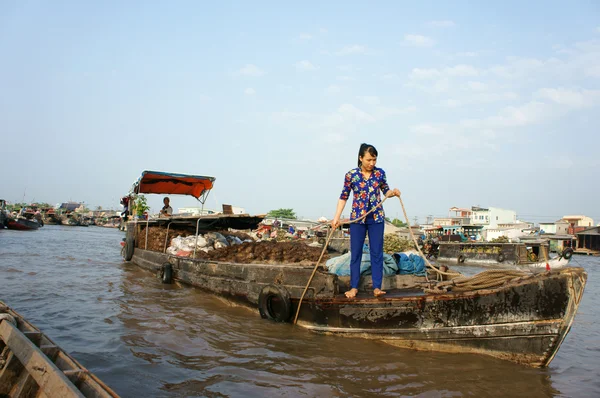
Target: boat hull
[524,322]
[32,365]
[22,224]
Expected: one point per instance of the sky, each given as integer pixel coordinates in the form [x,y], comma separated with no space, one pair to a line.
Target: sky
[489,104]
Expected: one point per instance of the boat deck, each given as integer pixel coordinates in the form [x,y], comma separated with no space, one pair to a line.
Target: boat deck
[588,252]
[390,293]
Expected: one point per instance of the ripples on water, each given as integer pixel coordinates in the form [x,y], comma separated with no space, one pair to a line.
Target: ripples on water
[144,338]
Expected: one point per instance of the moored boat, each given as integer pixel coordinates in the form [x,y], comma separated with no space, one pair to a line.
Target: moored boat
[22,224]
[513,315]
[531,254]
[32,365]
[3,214]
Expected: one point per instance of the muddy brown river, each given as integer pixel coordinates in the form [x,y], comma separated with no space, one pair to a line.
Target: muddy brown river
[146,339]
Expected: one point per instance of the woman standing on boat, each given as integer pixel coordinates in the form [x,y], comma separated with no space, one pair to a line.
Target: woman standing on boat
[367,216]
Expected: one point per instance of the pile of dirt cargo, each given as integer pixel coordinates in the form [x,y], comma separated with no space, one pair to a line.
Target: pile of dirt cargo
[229,246]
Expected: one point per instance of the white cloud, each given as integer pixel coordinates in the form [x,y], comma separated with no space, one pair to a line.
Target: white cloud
[479,98]
[382,112]
[204,98]
[345,78]
[418,41]
[461,70]
[533,112]
[369,99]
[517,67]
[305,36]
[251,70]
[354,49]
[323,30]
[598,29]
[351,112]
[418,73]
[441,24]
[427,129]
[571,98]
[390,77]
[334,138]
[287,116]
[333,89]
[467,54]
[477,86]
[349,68]
[452,103]
[305,66]
[249,91]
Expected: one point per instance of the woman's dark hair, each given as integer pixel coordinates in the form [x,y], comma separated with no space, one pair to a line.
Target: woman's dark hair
[364,148]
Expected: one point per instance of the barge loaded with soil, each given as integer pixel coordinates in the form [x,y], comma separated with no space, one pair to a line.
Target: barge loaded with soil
[513,315]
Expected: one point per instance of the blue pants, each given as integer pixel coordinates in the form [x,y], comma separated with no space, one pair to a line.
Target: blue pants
[358,233]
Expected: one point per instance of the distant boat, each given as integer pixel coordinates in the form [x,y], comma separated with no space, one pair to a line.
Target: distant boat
[22,224]
[3,214]
[531,254]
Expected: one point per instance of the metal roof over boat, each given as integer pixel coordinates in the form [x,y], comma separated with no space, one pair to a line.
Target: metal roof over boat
[160,182]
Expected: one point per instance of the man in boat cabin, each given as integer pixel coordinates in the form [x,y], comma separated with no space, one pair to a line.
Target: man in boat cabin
[167,210]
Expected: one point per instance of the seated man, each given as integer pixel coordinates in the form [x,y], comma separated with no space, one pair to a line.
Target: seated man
[167,210]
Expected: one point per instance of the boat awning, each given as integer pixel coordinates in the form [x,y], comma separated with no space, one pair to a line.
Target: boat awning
[173,184]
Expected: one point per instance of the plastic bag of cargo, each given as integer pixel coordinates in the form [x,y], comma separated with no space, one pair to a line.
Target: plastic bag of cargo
[217,238]
[234,240]
[192,241]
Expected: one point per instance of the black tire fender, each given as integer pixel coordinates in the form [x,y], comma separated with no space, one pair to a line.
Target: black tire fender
[129,248]
[500,258]
[567,253]
[166,273]
[274,303]
[460,259]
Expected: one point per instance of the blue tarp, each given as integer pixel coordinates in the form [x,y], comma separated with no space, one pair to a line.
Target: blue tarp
[341,265]
[410,264]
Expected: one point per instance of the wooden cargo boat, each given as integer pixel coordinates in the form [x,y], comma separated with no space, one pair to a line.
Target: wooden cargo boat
[524,318]
[23,224]
[532,254]
[32,365]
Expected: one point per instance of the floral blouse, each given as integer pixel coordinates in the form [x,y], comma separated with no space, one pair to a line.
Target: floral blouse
[366,193]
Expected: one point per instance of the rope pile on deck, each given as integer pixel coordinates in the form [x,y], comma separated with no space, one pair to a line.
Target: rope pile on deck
[488,279]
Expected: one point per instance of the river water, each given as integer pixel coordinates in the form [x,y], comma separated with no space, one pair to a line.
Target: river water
[146,339]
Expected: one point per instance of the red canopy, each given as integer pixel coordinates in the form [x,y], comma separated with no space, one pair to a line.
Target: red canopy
[175,184]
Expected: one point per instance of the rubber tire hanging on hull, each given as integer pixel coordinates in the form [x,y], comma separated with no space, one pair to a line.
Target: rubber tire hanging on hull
[460,259]
[166,273]
[129,247]
[500,258]
[266,298]
[567,253]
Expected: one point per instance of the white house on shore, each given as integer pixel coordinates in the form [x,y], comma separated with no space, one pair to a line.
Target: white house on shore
[492,216]
[579,221]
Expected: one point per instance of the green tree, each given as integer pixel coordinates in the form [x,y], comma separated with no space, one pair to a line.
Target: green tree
[140,205]
[399,223]
[282,213]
